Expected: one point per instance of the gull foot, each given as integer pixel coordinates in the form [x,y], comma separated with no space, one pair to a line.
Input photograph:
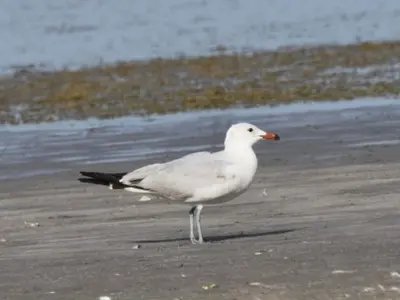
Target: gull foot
[195,241]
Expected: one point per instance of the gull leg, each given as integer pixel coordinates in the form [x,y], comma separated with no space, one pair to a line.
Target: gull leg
[191,214]
[197,213]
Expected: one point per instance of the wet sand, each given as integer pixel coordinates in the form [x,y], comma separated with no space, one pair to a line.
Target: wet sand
[327,228]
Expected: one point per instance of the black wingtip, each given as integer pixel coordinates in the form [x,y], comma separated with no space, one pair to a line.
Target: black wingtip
[103,178]
[94,181]
[115,186]
[87,174]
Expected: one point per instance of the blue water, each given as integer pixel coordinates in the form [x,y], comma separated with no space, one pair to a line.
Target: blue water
[73,33]
[80,32]
[61,146]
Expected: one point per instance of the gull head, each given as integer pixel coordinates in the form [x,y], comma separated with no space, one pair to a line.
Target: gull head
[247,134]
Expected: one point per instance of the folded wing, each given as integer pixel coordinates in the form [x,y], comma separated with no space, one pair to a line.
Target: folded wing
[138,175]
[194,176]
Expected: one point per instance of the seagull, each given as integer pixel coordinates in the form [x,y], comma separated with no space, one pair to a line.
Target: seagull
[199,178]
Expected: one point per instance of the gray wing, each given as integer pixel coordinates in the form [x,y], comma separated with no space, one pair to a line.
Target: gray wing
[191,178]
[137,175]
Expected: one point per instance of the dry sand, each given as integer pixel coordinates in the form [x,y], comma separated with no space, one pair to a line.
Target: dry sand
[328,227]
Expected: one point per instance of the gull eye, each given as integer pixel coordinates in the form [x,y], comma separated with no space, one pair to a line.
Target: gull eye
[250,130]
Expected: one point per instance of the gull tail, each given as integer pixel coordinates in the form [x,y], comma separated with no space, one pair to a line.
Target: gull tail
[109,179]
[112,181]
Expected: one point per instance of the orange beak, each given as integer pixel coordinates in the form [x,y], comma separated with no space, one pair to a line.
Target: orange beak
[270,136]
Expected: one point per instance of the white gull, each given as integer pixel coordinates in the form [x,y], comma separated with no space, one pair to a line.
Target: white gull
[198,178]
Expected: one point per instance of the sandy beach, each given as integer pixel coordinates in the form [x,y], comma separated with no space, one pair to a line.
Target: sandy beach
[326,226]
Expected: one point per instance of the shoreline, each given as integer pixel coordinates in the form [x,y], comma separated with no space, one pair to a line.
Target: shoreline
[163,86]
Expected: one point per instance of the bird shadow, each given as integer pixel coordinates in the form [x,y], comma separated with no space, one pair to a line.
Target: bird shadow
[220,238]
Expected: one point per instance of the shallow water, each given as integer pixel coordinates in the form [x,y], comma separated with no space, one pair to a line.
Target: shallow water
[124,124]
[50,148]
[76,32]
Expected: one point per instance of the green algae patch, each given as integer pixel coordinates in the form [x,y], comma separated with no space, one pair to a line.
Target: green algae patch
[317,73]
